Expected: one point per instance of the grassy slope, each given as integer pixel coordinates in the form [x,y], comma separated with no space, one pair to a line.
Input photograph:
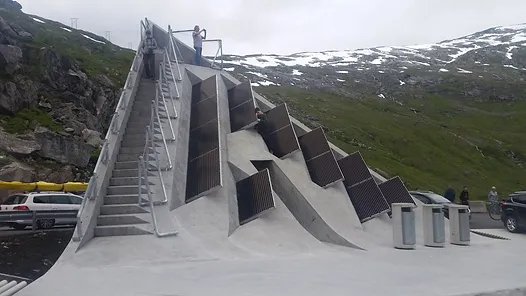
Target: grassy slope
[94,58]
[429,149]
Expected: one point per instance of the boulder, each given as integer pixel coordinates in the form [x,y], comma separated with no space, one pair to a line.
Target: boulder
[17,171]
[63,175]
[18,94]
[6,29]
[16,146]
[10,57]
[92,138]
[10,4]
[62,149]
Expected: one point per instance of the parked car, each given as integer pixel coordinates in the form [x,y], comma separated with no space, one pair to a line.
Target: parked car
[429,197]
[42,201]
[514,212]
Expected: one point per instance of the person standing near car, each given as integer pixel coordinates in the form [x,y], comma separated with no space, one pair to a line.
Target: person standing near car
[493,196]
[464,196]
[450,194]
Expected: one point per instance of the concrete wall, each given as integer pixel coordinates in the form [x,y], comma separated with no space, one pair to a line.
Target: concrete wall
[91,209]
[302,210]
[181,151]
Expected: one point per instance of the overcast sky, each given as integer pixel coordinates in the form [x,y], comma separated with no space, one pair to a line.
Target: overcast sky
[288,26]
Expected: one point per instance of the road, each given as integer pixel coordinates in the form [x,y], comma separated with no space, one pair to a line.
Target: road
[483,221]
[7,231]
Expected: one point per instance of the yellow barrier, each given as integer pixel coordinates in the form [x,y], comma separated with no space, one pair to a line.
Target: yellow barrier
[43,186]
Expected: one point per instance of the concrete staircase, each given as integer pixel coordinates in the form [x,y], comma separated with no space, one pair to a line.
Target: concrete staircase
[121,214]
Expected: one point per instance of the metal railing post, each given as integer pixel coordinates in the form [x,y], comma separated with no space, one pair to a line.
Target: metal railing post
[115,123]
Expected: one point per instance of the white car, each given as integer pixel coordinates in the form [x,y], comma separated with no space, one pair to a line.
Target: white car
[42,201]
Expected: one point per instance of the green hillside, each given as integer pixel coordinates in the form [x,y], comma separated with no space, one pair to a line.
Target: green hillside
[430,142]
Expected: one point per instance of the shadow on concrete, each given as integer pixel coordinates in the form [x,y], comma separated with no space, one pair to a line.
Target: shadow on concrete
[31,255]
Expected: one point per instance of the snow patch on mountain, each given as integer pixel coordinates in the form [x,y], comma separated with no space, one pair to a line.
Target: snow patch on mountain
[438,54]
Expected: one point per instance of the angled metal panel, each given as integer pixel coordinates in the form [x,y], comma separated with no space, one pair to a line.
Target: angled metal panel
[322,165]
[324,170]
[209,87]
[203,112]
[283,142]
[203,175]
[313,143]
[203,140]
[368,200]
[354,169]
[278,118]
[240,94]
[280,137]
[241,103]
[204,154]
[395,191]
[242,116]
[254,196]
[364,193]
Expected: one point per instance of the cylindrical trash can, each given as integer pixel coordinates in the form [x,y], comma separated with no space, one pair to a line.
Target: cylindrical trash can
[403,219]
[433,225]
[459,225]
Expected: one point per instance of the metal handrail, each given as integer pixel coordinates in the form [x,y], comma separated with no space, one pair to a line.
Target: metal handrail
[219,49]
[150,143]
[164,79]
[173,46]
[90,194]
[114,127]
[167,57]
[155,111]
[144,170]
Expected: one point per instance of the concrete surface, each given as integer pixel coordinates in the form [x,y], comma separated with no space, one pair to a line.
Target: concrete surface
[483,221]
[281,252]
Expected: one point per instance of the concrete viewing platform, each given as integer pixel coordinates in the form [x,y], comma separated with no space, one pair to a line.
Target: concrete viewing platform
[171,214]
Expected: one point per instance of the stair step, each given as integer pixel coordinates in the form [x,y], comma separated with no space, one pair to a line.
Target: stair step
[126,219]
[140,131]
[121,209]
[139,127]
[126,165]
[121,199]
[123,190]
[128,157]
[127,181]
[138,148]
[119,230]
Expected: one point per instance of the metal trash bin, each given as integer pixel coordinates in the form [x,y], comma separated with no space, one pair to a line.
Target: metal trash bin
[403,218]
[434,225]
[459,225]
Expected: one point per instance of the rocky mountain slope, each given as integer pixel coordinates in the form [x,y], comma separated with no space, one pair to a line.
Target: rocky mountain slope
[438,114]
[58,89]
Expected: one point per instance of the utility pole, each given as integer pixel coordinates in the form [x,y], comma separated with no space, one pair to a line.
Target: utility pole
[108,35]
[130,45]
[74,22]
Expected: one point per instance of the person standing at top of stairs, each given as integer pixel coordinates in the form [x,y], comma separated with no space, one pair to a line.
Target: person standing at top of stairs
[198,43]
[149,46]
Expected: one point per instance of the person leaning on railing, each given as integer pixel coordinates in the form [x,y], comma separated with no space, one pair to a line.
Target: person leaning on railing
[149,46]
[198,43]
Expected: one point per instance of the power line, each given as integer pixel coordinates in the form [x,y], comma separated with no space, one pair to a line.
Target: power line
[74,22]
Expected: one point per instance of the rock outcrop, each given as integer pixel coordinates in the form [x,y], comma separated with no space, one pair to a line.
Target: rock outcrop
[56,98]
